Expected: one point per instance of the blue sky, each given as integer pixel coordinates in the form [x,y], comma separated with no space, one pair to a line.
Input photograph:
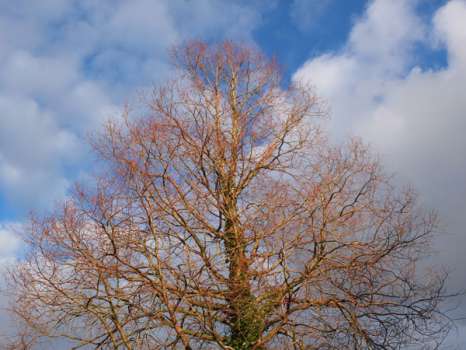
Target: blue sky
[293,31]
[392,72]
[69,65]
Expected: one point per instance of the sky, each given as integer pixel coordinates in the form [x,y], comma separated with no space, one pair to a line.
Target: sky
[392,72]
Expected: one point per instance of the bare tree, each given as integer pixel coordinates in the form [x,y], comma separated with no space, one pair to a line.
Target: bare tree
[224,219]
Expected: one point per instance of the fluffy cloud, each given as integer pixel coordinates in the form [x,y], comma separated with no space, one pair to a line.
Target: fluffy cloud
[378,51]
[414,117]
[10,243]
[65,66]
[31,142]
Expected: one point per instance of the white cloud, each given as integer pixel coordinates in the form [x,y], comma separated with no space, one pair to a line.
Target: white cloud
[65,66]
[43,77]
[414,117]
[450,25]
[371,92]
[31,144]
[143,24]
[396,23]
[10,243]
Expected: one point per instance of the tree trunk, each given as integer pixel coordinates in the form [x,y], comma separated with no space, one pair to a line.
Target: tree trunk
[246,319]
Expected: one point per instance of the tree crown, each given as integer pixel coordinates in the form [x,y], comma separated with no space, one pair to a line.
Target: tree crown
[225,220]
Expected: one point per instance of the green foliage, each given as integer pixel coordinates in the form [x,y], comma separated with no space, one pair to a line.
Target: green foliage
[248,326]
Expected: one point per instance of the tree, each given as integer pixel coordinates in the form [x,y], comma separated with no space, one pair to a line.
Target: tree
[224,219]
